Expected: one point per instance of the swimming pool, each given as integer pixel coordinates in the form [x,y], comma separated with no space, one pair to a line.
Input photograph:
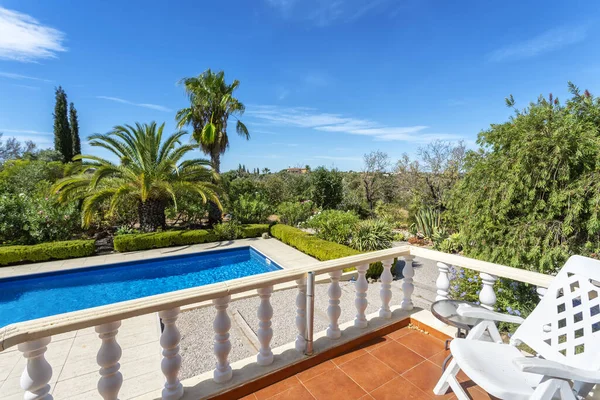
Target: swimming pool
[41,295]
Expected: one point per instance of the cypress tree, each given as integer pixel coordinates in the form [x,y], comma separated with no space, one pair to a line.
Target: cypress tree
[63,143]
[74,130]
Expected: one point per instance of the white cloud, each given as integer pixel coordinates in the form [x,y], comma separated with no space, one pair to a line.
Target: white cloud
[11,75]
[23,38]
[22,131]
[301,117]
[327,12]
[550,40]
[131,103]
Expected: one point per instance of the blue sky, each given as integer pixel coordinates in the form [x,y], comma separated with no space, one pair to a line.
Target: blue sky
[324,81]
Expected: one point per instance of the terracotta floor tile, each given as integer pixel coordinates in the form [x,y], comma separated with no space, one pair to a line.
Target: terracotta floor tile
[249,397]
[475,392]
[375,343]
[399,333]
[366,397]
[424,376]
[277,388]
[334,385]
[315,371]
[422,344]
[398,357]
[347,356]
[368,372]
[399,388]
[438,359]
[295,393]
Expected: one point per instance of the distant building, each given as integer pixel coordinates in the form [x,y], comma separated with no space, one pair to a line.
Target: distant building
[297,170]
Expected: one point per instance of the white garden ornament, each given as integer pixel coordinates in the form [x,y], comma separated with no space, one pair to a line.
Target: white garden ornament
[564,331]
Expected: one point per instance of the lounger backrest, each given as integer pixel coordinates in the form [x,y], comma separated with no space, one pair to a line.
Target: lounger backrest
[565,325]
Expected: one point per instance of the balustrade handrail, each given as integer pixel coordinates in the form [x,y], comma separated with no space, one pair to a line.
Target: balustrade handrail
[22,332]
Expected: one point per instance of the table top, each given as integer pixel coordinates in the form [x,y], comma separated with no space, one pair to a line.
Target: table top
[445,311]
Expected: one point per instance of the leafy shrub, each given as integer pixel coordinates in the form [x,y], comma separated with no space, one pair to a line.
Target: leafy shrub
[125,230]
[451,244]
[322,250]
[250,209]
[326,187]
[399,237]
[293,213]
[372,234]
[144,241]
[227,230]
[428,221]
[46,251]
[13,219]
[254,230]
[392,214]
[333,225]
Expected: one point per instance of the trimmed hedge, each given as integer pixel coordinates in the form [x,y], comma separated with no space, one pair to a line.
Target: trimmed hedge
[154,240]
[320,249]
[46,251]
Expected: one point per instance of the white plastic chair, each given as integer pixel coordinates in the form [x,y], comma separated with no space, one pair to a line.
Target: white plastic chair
[564,331]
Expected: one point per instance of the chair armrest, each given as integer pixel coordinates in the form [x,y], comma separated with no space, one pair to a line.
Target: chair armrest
[556,370]
[465,310]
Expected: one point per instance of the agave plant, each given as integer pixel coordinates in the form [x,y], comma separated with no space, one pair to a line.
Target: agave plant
[428,221]
[372,234]
[149,171]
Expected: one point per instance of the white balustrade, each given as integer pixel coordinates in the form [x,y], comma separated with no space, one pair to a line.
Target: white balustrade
[37,373]
[334,311]
[361,285]
[265,332]
[442,282]
[301,314]
[541,292]
[171,362]
[108,358]
[385,293]
[407,283]
[487,296]
[222,345]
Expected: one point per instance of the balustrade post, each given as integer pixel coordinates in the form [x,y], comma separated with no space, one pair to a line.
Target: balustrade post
[37,372]
[222,345]
[442,283]
[265,332]
[361,285]
[301,314]
[541,292]
[487,296]
[407,283]
[334,311]
[171,362]
[385,293]
[108,358]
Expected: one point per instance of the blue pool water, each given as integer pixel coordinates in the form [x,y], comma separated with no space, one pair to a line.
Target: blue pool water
[42,295]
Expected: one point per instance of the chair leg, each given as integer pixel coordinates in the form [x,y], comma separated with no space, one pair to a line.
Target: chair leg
[448,379]
[547,389]
[583,389]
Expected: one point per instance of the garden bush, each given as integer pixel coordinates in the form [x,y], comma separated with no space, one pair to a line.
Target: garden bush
[372,234]
[250,209]
[333,225]
[293,213]
[227,230]
[320,249]
[46,251]
[154,240]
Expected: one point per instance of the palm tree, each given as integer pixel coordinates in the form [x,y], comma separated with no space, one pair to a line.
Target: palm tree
[149,172]
[211,105]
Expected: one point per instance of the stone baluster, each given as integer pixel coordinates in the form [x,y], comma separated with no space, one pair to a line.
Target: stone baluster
[541,292]
[407,283]
[171,362]
[361,302]
[222,345]
[301,314]
[265,332]
[385,293]
[37,372]
[334,311]
[487,296]
[442,283]
[108,358]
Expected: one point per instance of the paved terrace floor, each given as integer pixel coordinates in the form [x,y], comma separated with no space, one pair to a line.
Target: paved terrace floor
[405,364]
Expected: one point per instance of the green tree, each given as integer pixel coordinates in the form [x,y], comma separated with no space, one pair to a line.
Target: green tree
[74,123]
[63,141]
[150,172]
[211,105]
[531,194]
[327,189]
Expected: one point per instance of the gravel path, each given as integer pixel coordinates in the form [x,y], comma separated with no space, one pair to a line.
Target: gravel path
[197,332]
